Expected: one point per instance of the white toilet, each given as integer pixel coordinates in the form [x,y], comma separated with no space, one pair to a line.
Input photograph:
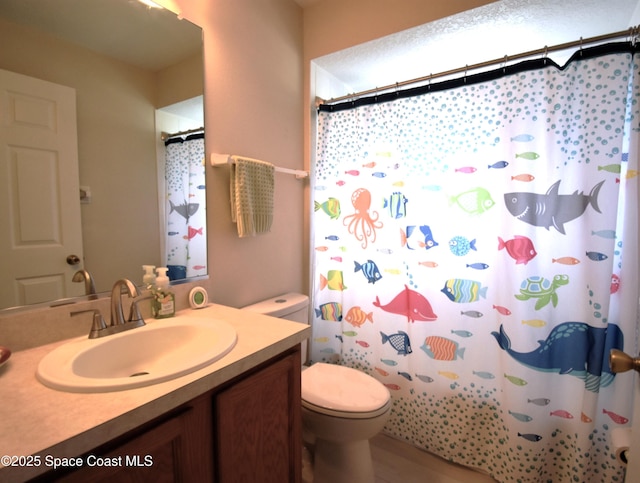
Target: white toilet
[342,408]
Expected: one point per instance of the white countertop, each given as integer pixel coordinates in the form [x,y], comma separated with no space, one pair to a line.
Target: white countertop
[36,420]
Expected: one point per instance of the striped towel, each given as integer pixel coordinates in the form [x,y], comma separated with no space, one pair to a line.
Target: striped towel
[252,185]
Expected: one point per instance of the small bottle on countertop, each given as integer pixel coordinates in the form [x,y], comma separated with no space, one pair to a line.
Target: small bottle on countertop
[164,302]
[149,277]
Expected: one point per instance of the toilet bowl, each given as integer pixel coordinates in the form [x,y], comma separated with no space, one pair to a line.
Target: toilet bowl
[342,408]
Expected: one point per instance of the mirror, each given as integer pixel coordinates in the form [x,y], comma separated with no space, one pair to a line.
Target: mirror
[135,70]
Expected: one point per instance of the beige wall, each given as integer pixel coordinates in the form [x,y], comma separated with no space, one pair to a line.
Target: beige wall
[253,106]
[174,86]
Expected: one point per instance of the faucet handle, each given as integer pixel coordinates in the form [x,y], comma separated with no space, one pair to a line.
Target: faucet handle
[134,311]
[98,322]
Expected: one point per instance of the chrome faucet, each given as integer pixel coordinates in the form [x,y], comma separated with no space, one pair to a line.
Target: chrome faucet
[118,324]
[89,285]
[121,286]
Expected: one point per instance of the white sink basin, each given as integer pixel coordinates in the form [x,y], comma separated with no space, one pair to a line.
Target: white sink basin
[156,352]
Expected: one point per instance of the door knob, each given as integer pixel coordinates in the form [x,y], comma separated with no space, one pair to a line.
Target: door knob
[73,260]
[621,362]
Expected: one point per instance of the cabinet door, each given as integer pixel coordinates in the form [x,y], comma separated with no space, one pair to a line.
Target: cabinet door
[176,450]
[259,437]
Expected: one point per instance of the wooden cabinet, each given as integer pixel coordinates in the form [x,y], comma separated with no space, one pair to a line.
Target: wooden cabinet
[173,448]
[258,426]
[248,430]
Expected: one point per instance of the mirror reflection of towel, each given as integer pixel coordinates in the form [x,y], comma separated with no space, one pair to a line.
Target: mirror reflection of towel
[252,187]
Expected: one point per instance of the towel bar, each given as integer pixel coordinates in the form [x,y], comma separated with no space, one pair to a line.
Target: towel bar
[220,159]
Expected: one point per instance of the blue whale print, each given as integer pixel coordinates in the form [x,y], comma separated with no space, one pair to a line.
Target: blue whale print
[572,348]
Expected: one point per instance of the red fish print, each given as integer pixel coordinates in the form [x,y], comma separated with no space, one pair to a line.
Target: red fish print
[353,172]
[616,418]
[410,304]
[502,310]
[393,387]
[362,343]
[561,413]
[585,419]
[521,248]
[615,283]
[192,232]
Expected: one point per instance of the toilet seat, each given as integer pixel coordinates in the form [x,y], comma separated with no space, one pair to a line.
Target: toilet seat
[341,391]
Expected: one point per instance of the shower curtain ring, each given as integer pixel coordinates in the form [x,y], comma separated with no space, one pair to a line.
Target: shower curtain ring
[466,67]
[504,64]
[580,46]
[546,53]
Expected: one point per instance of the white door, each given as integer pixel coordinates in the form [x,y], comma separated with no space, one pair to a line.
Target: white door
[39,191]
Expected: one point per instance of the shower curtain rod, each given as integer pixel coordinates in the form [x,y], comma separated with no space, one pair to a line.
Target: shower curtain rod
[632,33]
[165,135]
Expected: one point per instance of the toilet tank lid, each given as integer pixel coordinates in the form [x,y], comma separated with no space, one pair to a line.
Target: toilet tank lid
[281,305]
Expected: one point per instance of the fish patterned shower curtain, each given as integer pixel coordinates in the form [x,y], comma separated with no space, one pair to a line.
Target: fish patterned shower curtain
[186,240]
[475,250]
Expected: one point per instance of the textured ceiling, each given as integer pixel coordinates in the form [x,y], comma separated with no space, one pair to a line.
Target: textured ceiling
[486,33]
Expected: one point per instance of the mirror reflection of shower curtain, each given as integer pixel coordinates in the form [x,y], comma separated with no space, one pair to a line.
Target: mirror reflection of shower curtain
[186,240]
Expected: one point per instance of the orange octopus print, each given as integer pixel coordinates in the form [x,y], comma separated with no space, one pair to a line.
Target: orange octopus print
[361,224]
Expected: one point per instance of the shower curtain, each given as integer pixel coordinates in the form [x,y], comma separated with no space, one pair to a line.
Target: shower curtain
[186,207]
[475,250]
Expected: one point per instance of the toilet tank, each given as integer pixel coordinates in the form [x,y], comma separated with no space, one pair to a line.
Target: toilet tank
[290,306]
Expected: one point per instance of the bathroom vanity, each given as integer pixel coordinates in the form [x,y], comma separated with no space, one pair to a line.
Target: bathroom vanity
[237,419]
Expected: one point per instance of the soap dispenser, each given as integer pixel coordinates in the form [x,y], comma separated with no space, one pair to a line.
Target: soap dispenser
[149,277]
[164,303]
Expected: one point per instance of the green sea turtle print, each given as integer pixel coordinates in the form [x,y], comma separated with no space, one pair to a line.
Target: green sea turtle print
[542,289]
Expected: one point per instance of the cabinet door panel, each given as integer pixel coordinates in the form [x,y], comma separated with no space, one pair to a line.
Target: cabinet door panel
[175,450]
[258,423]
